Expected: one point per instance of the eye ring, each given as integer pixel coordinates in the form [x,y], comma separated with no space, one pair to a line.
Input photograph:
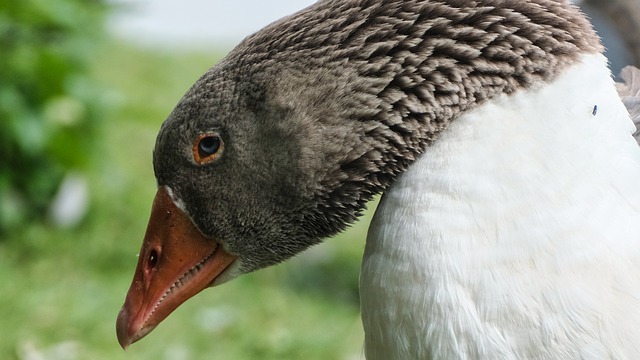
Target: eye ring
[207,147]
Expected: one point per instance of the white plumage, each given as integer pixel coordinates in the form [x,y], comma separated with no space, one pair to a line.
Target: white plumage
[516,236]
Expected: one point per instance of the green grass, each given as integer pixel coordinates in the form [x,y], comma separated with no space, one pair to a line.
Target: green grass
[60,291]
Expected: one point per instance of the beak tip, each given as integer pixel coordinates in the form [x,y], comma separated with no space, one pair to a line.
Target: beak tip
[122,329]
[130,331]
[123,341]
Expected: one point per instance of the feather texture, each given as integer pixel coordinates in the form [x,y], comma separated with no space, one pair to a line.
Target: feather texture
[630,93]
[341,97]
[509,224]
[515,236]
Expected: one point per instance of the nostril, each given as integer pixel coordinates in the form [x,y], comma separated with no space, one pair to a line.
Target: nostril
[152,261]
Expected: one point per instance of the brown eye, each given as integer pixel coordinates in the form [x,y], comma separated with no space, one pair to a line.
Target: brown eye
[207,148]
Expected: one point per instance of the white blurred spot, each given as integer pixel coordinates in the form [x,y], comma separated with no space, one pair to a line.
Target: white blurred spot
[68,350]
[70,204]
[65,111]
[216,319]
[177,352]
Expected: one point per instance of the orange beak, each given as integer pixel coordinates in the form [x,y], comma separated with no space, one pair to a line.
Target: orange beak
[175,263]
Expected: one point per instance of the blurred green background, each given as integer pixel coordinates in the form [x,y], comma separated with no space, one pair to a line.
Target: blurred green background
[79,112]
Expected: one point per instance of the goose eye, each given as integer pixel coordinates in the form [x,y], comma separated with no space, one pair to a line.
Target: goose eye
[207,148]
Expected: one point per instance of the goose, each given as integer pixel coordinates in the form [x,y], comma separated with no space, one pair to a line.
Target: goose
[509,222]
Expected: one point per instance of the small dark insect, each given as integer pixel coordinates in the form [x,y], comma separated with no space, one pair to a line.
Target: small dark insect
[595,110]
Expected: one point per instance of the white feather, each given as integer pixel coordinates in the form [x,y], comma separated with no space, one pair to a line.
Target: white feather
[516,235]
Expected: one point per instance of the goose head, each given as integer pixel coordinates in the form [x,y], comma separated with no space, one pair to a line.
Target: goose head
[283,142]
[253,166]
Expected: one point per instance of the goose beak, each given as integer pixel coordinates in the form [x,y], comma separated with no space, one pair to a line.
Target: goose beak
[175,263]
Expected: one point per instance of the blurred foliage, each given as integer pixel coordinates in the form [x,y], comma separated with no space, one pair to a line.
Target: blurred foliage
[49,108]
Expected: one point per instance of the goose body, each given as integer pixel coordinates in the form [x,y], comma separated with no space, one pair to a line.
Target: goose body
[516,235]
[509,226]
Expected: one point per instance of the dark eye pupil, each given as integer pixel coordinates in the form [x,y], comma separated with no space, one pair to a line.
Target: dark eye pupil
[208,146]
